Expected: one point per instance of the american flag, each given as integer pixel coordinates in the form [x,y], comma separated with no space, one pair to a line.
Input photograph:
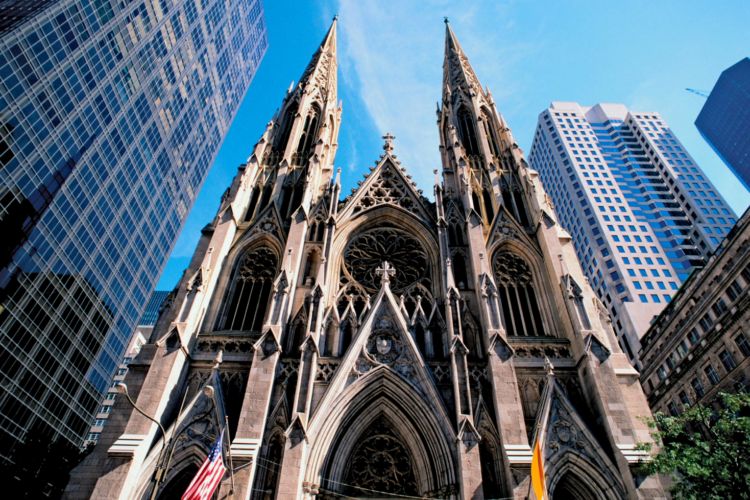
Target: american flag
[209,475]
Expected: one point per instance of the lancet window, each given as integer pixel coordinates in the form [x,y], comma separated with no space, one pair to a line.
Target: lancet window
[250,291]
[489,132]
[307,138]
[253,204]
[513,198]
[286,129]
[467,131]
[521,313]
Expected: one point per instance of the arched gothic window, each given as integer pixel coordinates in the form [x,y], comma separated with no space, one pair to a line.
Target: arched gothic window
[467,131]
[282,138]
[250,291]
[489,132]
[491,467]
[307,139]
[253,203]
[513,198]
[515,283]
[267,482]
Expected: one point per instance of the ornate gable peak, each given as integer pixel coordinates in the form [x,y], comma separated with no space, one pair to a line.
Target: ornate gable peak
[267,222]
[383,343]
[387,184]
[564,431]
[505,227]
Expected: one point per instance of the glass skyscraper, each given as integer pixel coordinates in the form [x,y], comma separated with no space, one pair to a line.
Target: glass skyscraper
[724,120]
[641,213]
[111,114]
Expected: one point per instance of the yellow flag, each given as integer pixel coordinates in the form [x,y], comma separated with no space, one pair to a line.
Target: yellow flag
[538,481]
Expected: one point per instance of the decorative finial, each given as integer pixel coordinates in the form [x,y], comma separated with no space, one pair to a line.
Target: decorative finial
[385,271]
[548,367]
[445,20]
[388,144]
[336,17]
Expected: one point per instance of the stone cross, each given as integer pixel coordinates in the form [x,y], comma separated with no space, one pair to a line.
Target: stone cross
[388,144]
[385,271]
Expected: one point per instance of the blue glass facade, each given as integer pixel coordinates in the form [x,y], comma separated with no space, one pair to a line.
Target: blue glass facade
[112,113]
[724,120]
[151,314]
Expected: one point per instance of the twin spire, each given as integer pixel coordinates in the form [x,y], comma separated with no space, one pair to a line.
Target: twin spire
[457,71]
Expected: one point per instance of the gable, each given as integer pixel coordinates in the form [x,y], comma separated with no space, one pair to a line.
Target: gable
[387,185]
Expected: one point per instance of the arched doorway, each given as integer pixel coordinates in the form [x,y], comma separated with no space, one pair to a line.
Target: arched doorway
[176,486]
[572,487]
[380,464]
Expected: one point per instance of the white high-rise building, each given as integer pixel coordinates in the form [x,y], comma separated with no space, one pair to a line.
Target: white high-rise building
[641,213]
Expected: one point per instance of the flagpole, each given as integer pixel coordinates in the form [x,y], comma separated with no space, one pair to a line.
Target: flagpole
[229,453]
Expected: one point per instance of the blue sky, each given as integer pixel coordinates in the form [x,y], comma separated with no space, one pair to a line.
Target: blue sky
[640,53]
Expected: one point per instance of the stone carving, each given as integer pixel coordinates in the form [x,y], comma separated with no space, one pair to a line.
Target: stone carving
[380,463]
[387,188]
[367,251]
[511,269]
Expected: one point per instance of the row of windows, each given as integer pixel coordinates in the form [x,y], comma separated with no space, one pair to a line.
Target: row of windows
[688,396]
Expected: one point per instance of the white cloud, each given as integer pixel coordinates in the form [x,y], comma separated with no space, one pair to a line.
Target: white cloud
[392,58]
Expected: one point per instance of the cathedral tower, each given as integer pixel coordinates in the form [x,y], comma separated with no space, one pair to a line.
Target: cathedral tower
[382,343]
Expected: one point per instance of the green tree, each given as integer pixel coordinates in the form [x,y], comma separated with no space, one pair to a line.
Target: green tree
[706,451]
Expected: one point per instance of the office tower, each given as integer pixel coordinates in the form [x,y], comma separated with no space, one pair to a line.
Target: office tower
[724,120]
[641,212]
[112,113]
[140,335]
[380,345]
[700,345]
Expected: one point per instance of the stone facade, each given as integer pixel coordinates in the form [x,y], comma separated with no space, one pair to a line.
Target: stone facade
[700,344]
[381,343]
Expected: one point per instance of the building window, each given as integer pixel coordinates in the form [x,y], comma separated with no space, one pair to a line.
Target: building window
[672,409]
[694,337]
[727,360]
[251,291]
[719,307]
[685,399]
[734,290]
[743,344]
[712,374]
[520,309]
[661,373]
[697,387]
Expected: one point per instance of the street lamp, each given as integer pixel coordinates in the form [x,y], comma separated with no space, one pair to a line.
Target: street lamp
[159,473]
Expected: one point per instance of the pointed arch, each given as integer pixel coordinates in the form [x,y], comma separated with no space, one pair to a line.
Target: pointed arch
[518,283]
[490,132]
[307,137]
[467,131]
[572,476]
[246,303]
[422,427]
[269,470]
[285,130]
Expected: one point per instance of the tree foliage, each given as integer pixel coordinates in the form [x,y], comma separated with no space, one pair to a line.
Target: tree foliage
[707,451]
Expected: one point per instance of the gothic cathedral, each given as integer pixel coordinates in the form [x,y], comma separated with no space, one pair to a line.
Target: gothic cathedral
[382,343]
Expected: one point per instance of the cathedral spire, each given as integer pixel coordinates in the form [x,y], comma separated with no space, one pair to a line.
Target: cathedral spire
[457,72]
[321,71]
